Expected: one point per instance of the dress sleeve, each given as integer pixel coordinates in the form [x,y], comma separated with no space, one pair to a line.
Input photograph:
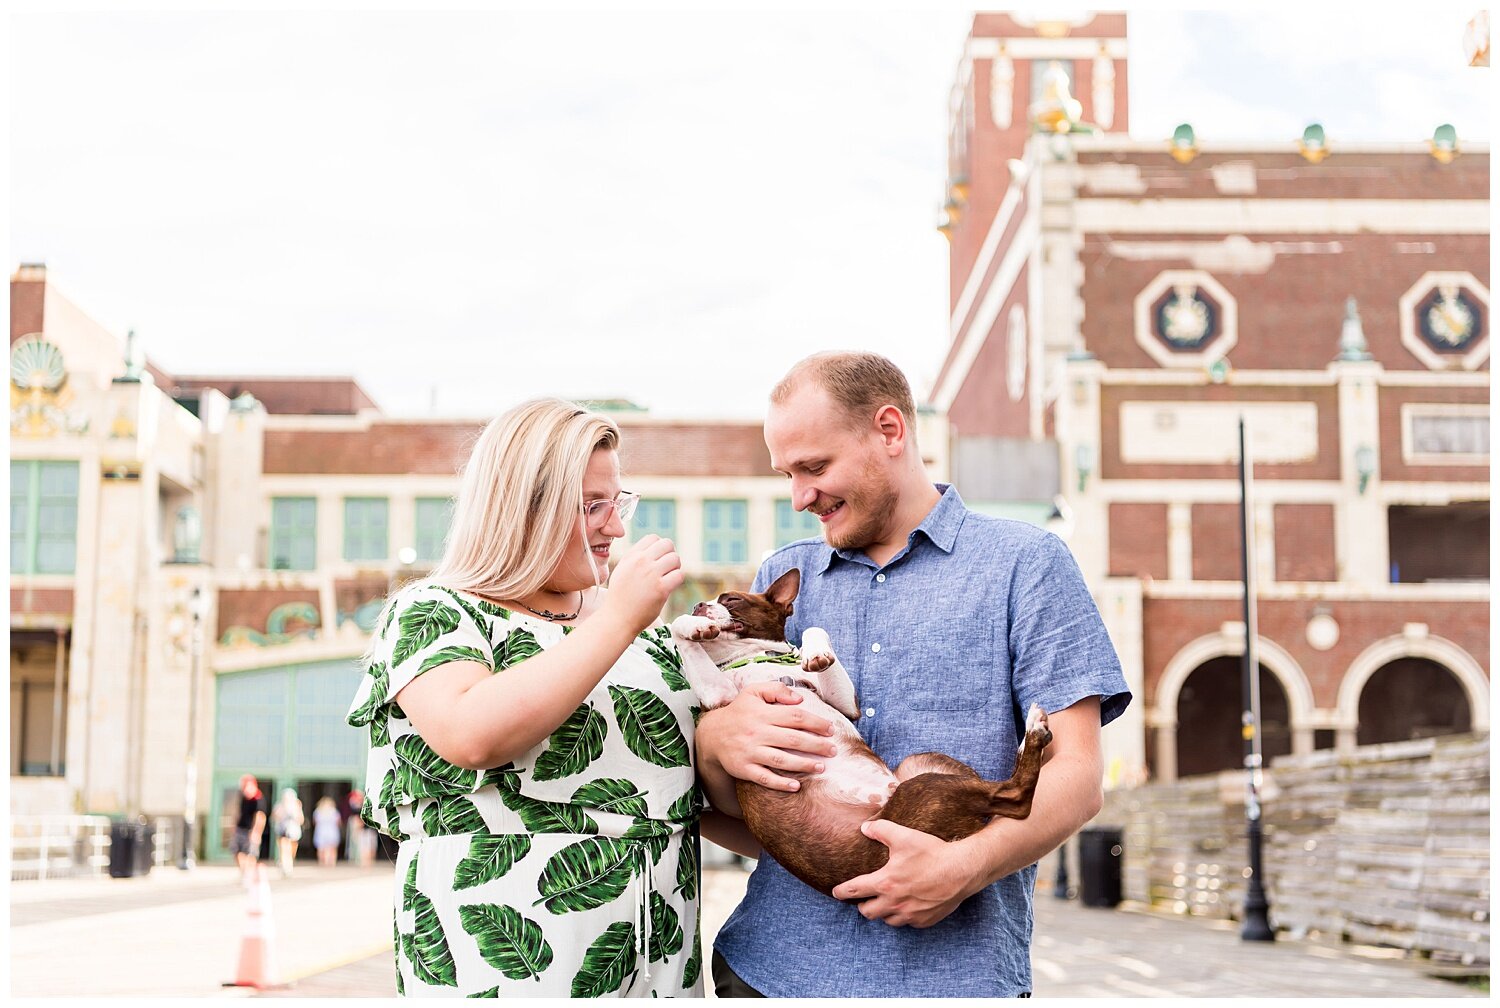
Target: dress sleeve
[424,628]
[1060,650]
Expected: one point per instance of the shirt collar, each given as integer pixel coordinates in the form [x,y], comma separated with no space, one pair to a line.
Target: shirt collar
[940,527]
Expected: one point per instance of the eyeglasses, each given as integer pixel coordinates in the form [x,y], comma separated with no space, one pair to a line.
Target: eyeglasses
[596,513]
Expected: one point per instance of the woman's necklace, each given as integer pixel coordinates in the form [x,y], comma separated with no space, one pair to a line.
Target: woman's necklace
[548,614]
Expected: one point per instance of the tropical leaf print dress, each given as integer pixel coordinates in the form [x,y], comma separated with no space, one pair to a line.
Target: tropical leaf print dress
[572,872]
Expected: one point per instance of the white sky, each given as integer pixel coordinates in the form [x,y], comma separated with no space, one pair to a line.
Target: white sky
[472,208]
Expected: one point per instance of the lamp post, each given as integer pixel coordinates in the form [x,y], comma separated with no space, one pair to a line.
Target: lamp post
[1255,926]
[198,606]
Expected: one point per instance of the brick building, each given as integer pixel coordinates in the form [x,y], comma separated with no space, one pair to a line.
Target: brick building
[197,561]
[1118,304]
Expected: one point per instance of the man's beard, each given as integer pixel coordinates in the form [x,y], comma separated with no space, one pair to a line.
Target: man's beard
[875,500]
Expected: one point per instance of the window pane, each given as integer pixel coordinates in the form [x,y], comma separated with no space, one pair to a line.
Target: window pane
[434,515]
[20,515]
[294,538]
[725,531]
[365,528]
[57,517]
[654,516]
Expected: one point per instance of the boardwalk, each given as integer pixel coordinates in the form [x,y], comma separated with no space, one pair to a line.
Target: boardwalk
[177,934]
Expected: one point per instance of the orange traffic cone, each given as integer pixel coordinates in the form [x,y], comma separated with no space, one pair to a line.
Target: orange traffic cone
[257,965]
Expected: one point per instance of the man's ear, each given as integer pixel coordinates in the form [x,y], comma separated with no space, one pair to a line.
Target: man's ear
[784,589]
[890,424]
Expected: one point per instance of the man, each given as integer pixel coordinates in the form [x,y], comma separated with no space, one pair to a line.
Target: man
[248,827]
[951,625]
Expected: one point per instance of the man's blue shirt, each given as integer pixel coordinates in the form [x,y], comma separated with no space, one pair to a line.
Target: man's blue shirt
[948,645]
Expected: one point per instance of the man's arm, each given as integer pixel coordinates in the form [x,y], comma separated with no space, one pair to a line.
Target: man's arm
[926,878]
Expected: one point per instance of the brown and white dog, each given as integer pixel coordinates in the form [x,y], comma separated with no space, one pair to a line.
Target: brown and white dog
[815,832]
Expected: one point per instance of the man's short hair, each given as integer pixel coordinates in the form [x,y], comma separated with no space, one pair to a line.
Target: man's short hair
[860,383]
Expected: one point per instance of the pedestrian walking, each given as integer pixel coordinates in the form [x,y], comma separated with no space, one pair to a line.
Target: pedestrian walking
[327,830]
[249,824]
[287,819]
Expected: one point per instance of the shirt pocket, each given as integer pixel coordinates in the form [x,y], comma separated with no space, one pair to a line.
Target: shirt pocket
[946,668]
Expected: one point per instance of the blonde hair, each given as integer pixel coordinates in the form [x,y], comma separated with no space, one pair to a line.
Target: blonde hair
[521,498]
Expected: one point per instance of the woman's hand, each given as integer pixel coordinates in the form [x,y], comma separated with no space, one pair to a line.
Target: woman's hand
[760,736]
[643,581]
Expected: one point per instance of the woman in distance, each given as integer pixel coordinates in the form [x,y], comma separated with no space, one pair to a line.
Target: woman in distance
[531,736]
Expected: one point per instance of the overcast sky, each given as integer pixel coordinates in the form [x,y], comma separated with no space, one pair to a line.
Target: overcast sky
[467,209]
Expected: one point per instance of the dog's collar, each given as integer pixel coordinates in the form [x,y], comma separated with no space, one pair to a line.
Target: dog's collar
[774,657]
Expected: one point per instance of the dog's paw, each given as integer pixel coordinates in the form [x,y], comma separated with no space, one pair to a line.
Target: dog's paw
[817,650]
[695,628]
[817,661]
[1038,732]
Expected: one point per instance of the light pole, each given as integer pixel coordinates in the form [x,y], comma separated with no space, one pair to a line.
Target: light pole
[1255,927]
[198,606]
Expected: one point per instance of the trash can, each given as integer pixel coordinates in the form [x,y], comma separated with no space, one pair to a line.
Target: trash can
[1100,855]
[130,850]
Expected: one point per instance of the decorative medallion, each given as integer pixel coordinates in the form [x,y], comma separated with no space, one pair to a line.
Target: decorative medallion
[1016,347]
[38,393]
[1002,88]
[1448,318]
[1443,321]
[1185,318]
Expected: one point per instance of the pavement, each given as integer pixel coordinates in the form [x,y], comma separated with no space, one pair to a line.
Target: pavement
[177,933]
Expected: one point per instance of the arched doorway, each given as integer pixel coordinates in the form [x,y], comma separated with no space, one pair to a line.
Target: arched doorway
[1209,707]
[1412,698]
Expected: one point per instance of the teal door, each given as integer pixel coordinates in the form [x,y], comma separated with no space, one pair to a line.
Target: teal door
[284,725]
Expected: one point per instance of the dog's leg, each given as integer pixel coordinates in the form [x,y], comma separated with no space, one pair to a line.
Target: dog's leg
[949,800]
[834,684]
[711,685]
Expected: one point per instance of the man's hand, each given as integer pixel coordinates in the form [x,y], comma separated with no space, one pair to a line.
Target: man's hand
[765,733]
[924,881]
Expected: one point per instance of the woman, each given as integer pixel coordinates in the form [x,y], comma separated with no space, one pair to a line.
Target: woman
[531,739]
[327,828]
[288,819]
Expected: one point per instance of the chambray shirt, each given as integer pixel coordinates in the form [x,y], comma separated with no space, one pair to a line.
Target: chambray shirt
[948,646]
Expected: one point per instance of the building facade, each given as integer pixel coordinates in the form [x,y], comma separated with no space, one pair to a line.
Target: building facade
[1118,305]
[197,561]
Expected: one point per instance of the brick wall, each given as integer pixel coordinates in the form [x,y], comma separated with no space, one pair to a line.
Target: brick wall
[1138,540]
[1304,542]
[1216,542]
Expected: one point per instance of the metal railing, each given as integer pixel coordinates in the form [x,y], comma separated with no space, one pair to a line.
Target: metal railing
[58,846]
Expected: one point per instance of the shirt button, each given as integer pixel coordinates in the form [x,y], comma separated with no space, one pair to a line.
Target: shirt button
[869,712]
[874,647]
[880,578]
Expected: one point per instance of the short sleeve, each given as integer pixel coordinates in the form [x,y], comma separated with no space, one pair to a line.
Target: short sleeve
[1059,649]
[425,627]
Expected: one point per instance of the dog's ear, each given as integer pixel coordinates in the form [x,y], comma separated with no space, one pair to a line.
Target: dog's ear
[784,589]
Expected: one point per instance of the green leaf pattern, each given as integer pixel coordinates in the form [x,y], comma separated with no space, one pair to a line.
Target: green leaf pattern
[534,872]
[577,742]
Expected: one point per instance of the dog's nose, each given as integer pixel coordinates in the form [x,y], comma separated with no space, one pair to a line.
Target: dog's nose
[787,680]
[701,609]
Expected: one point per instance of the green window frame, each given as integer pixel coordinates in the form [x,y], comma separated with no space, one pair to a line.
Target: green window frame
[726,532]
[792,524]
[434,515]
[43,517]
[654,516]
[294,534]
[367,528]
